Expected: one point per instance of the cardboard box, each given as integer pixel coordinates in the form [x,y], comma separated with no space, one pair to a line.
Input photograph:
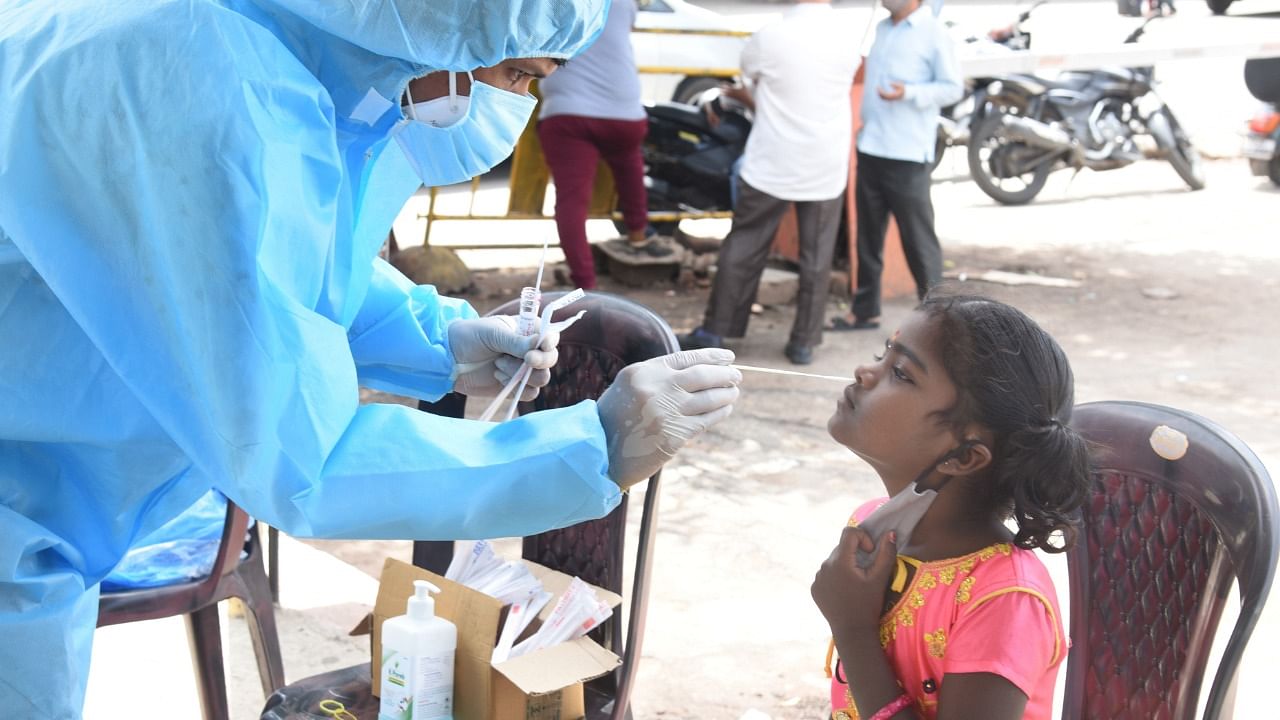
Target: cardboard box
[542,685]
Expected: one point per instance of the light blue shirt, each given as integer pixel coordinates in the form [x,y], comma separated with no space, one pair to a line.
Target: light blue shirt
[918,53]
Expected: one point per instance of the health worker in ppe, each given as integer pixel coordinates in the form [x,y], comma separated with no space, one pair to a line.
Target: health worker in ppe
[192,198]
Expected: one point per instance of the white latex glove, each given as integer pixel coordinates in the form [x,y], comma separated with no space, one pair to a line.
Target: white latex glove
[487,351]
[654,407]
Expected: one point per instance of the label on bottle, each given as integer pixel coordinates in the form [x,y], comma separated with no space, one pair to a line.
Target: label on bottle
[416,688]
[433,699]
[397,700]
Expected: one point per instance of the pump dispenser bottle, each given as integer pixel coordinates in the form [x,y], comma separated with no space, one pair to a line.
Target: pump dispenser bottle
[417,661]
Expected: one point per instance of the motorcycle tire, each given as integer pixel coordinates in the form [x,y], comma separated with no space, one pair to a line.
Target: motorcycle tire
[1183,156]
[939,147]
[1273,170]
[692,87]
[982,173]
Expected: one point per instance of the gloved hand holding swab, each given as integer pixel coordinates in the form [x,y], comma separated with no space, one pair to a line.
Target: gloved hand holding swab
[522,376]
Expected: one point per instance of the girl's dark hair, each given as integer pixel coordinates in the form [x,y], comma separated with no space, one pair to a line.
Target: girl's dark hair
[1012,378]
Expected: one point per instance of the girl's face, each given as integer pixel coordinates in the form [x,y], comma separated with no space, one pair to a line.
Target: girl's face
[890,417]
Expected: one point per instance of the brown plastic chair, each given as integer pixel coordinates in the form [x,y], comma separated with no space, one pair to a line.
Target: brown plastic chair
[614,333]
[1162,541]
[198,601]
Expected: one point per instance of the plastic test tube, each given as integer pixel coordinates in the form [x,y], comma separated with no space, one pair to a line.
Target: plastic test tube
[527,322]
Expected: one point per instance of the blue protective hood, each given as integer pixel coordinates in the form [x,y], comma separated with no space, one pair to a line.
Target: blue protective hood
[455,34]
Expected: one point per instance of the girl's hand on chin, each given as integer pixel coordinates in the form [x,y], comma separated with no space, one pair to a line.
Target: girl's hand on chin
[851,597]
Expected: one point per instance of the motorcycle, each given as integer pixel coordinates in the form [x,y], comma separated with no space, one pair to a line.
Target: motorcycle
[688,159]
[1262,144]
[1083,119]
[955,122]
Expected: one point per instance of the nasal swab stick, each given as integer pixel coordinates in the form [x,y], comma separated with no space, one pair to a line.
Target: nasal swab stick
[773,371]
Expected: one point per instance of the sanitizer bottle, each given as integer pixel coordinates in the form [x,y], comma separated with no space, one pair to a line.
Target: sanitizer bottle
[417,661]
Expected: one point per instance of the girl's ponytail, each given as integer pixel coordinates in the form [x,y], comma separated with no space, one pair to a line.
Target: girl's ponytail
[1044,468]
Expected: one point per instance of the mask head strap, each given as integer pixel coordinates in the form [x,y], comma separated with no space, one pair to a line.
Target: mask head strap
[413,112]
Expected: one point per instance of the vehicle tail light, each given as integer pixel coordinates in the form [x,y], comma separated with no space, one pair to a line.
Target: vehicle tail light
[1265,123]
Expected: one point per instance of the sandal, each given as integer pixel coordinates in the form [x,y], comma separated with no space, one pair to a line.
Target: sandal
[839,324]
[652,248]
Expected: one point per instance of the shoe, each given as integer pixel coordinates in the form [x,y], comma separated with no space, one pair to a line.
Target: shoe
[798,354]
[839,324]
[653,248]
[699,339]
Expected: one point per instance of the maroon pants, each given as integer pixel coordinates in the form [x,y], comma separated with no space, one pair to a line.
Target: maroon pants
[573,145]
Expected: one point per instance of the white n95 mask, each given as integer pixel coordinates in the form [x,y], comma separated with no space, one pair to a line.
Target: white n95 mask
[463,137]
[900,514]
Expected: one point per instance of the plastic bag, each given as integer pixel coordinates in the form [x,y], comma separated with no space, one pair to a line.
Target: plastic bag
[181,550]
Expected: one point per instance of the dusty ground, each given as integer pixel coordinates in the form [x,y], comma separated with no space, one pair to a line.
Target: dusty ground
[1177,305]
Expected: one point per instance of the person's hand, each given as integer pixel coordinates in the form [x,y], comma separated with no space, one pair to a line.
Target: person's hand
[488,351]
[737,93]
[896,91]
[849,596]
[713,117]
[654,407]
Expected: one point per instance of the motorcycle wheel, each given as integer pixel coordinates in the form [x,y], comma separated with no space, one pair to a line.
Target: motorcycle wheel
[939,147]
[1183,156]
[986,148]
[690,88]
[1273,170]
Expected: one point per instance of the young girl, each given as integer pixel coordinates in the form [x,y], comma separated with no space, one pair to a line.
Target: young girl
[937,608]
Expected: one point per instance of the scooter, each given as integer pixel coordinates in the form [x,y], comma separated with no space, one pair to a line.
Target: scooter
[688,160]
[1262,144]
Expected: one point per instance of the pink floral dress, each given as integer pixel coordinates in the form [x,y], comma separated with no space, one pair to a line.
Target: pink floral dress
[992,611]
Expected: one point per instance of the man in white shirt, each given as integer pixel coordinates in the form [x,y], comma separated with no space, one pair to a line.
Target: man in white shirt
[912,73]
[799,72]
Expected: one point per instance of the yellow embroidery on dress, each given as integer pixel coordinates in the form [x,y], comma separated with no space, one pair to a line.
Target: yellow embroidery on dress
[905,617]
[924,581]
[927,581]
[936,642]
[888,632]
[850,711]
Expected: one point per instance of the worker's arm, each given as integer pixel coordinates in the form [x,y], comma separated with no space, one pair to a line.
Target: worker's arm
[210,267]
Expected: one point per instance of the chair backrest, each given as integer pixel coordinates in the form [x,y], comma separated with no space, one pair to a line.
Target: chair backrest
[614,332]
[1163,536]
[126,606]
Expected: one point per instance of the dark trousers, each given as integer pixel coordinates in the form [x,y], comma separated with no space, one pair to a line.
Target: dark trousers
[573,145]
[746,248]
[900,187]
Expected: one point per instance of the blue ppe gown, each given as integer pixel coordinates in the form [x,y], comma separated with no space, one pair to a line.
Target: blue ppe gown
[192,197]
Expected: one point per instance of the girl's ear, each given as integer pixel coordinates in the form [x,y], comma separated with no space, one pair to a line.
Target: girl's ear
[972,456]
